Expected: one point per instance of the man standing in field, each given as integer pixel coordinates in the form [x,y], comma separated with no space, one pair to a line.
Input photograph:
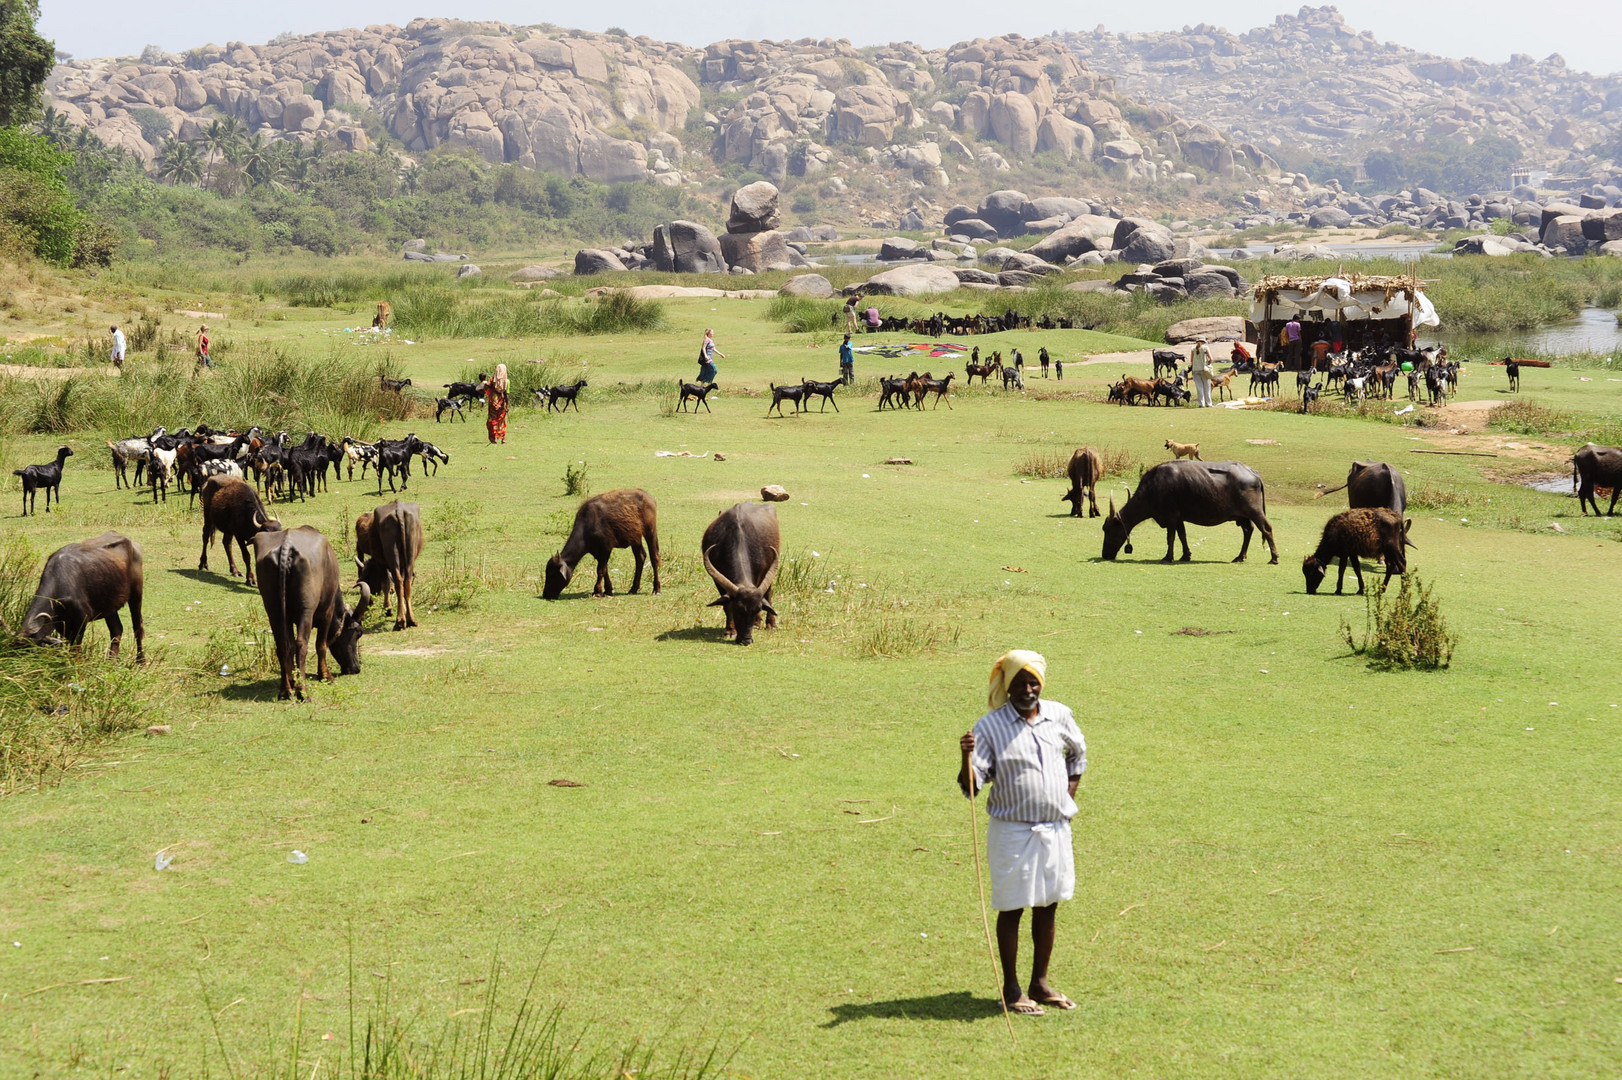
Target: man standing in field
[1033,755]
[847,362]
[118,347]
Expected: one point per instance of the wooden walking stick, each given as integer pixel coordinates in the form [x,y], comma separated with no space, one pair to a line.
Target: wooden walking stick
[985,920]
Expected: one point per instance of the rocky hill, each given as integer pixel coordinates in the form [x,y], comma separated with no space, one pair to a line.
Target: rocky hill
[903,123]
[1313,84]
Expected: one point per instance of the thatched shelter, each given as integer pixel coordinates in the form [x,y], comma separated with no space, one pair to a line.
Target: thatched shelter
[1353,310]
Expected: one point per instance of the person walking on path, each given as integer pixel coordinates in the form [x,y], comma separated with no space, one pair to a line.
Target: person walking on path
[118,347]
[203,358]
[1200,363]
[495,403]
[847,362]
[706,357]
[1031,752]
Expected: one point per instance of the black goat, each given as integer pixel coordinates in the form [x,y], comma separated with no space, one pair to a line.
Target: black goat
[466,389]
[48,477]
[794,392]
[569,395]
[395,457]
[695,392]
[1513,370]
[1308,396]
[452,405]
[824,390]
[396,385]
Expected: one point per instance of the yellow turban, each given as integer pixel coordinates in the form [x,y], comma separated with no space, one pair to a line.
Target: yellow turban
[1009,665]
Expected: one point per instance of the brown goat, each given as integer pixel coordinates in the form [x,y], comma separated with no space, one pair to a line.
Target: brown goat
[1086,469]
[1353,535]
[232,506]
[614,519]
[1132,387]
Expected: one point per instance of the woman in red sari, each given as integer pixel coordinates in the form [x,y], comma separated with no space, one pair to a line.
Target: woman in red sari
[495,400]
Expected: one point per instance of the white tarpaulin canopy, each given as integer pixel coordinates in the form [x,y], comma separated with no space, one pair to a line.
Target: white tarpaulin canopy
[1338,297]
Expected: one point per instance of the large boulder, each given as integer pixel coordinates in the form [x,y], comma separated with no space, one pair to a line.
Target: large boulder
[758,251]
[535,272]
[814,286]
[897,248]
[1151,245]
[1602,226]
[958,213]
[754,208]
[1081,235]
[1056,206]
[694,249]
[974,229]
[1211,328]
[1565,233]
[1057,132]
[1208,286]
[596,261]
[967,276]
[1329,217]
[1030,264]
[1013,121]
[1001,210]
[920,279]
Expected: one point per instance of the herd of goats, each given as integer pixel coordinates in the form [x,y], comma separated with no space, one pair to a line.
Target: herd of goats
[298,577]
[1359,376]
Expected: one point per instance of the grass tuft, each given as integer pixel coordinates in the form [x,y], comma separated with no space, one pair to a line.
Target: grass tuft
[1405,632]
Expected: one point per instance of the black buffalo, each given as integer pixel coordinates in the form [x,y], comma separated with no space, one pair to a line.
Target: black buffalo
[1374,485]
[1175,493]
[742,553]
[85,582]
[1596,466]
[298,581]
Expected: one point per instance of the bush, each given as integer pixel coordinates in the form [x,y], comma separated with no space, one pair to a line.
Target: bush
[575,479]
[36,207]
[436,311]
[1405,632]
[802,314]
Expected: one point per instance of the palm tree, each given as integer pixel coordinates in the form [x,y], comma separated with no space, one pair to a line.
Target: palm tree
[179,164]
[217,137]
[55,127]
[253,157]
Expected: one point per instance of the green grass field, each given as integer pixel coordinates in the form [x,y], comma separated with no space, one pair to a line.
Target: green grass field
[1288,864]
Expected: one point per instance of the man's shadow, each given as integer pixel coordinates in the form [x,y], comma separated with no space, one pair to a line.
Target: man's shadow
[960,1005]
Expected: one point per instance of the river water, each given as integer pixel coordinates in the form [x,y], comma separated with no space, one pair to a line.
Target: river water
[1595,330]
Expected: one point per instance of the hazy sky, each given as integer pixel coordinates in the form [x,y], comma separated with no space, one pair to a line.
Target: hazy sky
[1588,33]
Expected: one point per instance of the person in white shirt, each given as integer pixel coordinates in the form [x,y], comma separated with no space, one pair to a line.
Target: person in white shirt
[118,348]
[1033,755]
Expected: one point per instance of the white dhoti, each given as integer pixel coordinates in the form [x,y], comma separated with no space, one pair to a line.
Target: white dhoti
[1031,865]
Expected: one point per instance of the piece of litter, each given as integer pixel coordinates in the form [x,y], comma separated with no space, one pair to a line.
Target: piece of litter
[594,629]
[898,461]
[1137,631]
[162,861]
[564,783]
[865,476]
[1015,570]
[1403,412]
[298,858]
[1262,442]
[1263,671]
[158,729]
[922,934]
[225,669]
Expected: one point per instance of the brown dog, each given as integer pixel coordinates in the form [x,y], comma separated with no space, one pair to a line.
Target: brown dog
[381,319]
[1184,450]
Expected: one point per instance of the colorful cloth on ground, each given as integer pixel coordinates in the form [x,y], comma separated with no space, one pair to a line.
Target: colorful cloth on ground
[1028,763]
[1032,864]
[496,418]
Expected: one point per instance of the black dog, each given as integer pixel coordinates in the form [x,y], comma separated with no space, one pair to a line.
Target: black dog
[48,477]
[1513,370]
[1308,396]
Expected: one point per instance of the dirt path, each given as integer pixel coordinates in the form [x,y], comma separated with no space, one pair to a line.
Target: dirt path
[24,371]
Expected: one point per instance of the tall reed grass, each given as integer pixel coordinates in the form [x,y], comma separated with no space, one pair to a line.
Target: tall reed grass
[440,312]
[260,385]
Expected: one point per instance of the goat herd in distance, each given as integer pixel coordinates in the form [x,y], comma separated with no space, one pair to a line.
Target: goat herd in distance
[297,572]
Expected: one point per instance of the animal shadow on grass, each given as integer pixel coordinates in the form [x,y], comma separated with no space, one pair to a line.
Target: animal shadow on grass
[695,633]
[959,1005]
[216,577]
[260,689]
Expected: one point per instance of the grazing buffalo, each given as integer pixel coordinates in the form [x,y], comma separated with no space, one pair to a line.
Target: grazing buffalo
[614,519]
[232,506]
[298,581]
[1175,493]
[1086,468]
[1373,485]
[1354,535]
[389,539]
[85,582]
[1596,466]
[742,551]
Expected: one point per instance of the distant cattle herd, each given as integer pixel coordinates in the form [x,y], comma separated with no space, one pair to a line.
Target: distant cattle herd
[300,584]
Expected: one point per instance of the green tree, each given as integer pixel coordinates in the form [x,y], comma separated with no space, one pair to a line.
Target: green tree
[178,162]
[37,210]
[25,61]
[219,137]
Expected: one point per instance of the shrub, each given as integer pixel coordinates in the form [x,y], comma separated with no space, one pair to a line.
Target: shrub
[802,314]
[575,479]
[438,311]
[1405,632]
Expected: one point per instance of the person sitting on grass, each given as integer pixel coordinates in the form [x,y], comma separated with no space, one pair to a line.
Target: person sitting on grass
[1033,755]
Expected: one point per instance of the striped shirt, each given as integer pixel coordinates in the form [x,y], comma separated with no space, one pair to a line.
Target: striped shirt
[1029,763]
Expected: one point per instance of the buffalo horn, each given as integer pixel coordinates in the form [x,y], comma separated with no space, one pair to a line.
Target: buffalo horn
[771,573]
[365,600]
[720,578]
